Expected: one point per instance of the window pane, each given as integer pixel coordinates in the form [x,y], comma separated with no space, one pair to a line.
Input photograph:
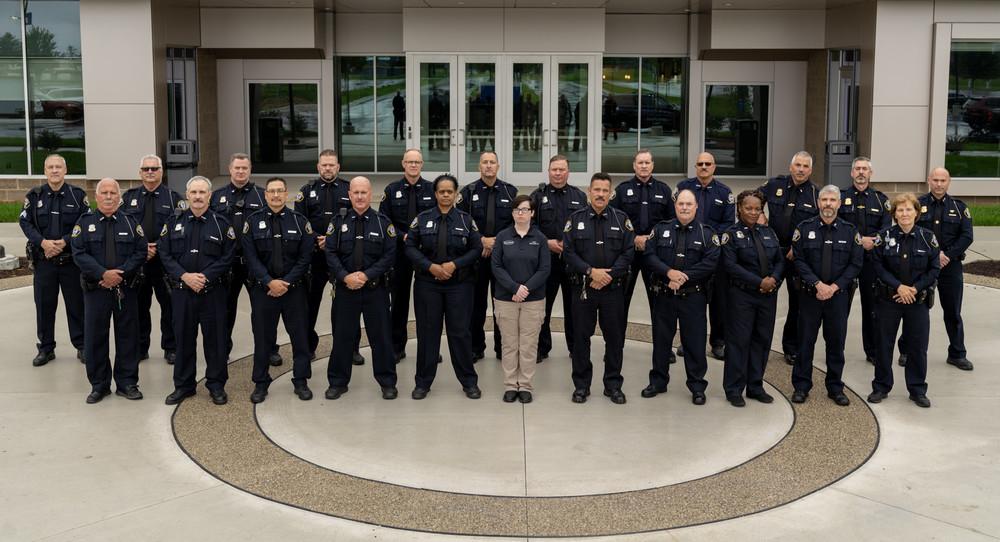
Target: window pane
[663,115]
[55,83]
[619,114]
[13,155]
[357,116]
[480,112]
[573,113]
[390,76]
[435,115]
[973,139]
[736,128]
[528,98]
[284,127]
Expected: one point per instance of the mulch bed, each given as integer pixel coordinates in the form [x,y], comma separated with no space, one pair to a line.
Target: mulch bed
[19,272]
[988,268]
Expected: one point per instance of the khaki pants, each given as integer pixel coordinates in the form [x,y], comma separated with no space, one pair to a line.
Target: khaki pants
[519,325]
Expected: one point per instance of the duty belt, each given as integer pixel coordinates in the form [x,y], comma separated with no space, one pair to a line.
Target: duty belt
[752,288]
[885,292]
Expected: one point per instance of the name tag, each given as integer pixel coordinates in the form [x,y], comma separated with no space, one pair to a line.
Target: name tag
[697,242]
[575,202]
[532,243]
[374,234]
[719,201]
[615,228]
[841,241]
[658,196]
[510,242]
[212,237]
[123,233]
[426,198]
[293,231]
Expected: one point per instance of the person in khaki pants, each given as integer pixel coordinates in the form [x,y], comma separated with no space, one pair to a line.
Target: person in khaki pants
[521,265]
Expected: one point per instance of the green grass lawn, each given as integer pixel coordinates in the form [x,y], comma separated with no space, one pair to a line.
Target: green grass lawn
[9,211]
[985,215]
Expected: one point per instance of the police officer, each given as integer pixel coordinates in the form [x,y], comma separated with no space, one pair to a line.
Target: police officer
[236,201]
[402,201]
[907,261]
[716,209]
[681,257]
[790,199]
[599,245]
[278,246]
[320,200]
[151,205]
[49,214]
[110,248]
[489,200]
[443,244]
[951,222]
[647,201]
[197,250]
[553,203]
[828,257]
[360,249]
[868,210]
[755,265]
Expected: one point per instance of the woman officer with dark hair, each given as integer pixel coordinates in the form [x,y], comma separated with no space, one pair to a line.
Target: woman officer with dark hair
[755,265]
[444,244]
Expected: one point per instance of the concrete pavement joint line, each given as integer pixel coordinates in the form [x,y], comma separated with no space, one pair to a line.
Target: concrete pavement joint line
[824,444]
[915,513]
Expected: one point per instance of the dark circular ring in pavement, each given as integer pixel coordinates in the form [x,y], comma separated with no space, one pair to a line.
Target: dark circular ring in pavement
[825,443]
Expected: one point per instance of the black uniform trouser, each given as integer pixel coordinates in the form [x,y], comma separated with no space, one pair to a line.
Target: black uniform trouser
[348,307]
[636,269]
[432,303]
[832,315]
[558,280]
[717,307]
[48,280]
[790,333]
[483,293]
[689,311]
[402,279]
[950,290]
[869,317]
[916,329]
[607,307]
[748,340]
[207,310]
[265,311]
[240,271]
[319,277]
[100,307]
[151,285]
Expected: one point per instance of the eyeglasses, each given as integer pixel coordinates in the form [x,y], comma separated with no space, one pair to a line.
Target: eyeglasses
[149,169]
[276,191]
[704,164]
[521,211]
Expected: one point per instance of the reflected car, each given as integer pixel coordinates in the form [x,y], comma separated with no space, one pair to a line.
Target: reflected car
[656,112]
[61,103]
[983,114]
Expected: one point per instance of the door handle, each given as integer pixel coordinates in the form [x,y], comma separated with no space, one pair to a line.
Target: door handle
[452,137]
[545,137]
[461,137]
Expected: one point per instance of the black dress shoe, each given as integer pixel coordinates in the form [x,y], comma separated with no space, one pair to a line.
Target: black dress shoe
[389,393]
[143,356]
[334,392]
[275,359]
[399,356]
[219,396]
[419,393]
[476,356]
[303,392]
[357,358]
[680,352]
[258,395]
[79,356]
[651,391]
[171,356]
[580,396]
[761,396]
[473,392]
[870,359]
[440,359]
[839,398]
[524,396]
[921,400]
[96,396]
[790,359]
[616,396]
[736,400]
[877,396]
[698,398]
[672,358]
[961,363]
[177,396]
[42,358]
[542,357]
[131,393]
[719,352]
[799,396]
[509,396]
[902,360]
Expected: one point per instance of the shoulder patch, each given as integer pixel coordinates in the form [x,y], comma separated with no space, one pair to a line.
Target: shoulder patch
[76,231]
[715,240]
[628,225]
[309,228]
[888,206]
[725,239]
[390,231]
[163,231]
[796,235]
[329,229]
[878,240]
[382,198]
[230,233]
[246,227]
[474,226]
[182,205]
[967,213]
[459,198]
[765,182]
[731,199]
[138,230]
[857,238]
[934,241]
[299,197]
[416,221]
[568,226]
[86,203]
[26,203]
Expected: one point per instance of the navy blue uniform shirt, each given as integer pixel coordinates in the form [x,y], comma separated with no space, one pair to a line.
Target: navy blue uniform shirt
[321,200]
[297,240]
[49,214]
[867,209]
[554,205]
[88,242]
[396,201]
[919,246]
[476,196]
[463,246]
[716,203]
[951,222]
[518,260]
[236,204]
[210,253]
[847,255]
[739,254]
[166,203]
[377,233]
[701,250]
[788,205]
[603,240]
[632,195]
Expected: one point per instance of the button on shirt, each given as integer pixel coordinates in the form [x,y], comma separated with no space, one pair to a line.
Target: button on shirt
[603,240]
[476,201]
[165,204]
[378,248]
[554,205]
[321,200]
[740,257]
[788,205]
[89,242]
[716,203]
[645,202]
[295,237]
[518,260]
[236,204]
[396,201]
[889,255]
[463,244]
[51,214]
[867,209]
[210,252]
[843,246]
[700,250]
[950,221]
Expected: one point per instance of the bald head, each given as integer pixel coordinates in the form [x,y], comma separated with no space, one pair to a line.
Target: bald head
[360,192]
[686,206]
[938,182]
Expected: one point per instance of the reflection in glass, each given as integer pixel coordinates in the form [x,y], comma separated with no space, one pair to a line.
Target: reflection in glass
[435,115]
[619,113]
[572,114]
[55,83]
[13,153]
[357,115]
[527,112]
[736,128]
[284,127]
[390,90]
[662,114]
[972,147]
[480,112]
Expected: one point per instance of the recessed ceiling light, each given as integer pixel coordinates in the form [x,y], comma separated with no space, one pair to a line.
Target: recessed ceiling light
[729,4]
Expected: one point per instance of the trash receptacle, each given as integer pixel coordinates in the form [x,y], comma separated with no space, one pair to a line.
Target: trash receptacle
[270,145]
[747,143]
[180,163]
[839,155]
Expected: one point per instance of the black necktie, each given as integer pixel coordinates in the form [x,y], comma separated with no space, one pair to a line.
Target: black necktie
[938,216]
[328,209]
[55,217]
[359,243]
[239,202]
[859,213]
[411,205]
[762,261]
[793,200]
[702,203]
[442,240]
[599,241]
[194,240]
[906,246]
[277,267]
[826,263]
[681,248]
[643,208]
[110,254]
[491,211]
[149,217]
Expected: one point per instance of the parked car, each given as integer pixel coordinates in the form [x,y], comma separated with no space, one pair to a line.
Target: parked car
[983,114]
[61,103]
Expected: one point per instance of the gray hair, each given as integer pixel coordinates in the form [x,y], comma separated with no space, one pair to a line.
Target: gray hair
[59,156]
[830,189]
[862,159]
[195,179]
[159,161]
[802,154]
[118,187]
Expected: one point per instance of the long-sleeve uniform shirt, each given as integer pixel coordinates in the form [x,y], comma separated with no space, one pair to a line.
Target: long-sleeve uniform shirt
[191,244]
[554,205]
[478,198]
[152,208]
[692,248]
[518,260]
[603,240]
[461,243]
[909,259]
[396,202]
[867,209]
[90,251]
[277,245]
[645,203]
[716,203]
[950,221]
[51,214]
[827,253]
[377,237]
[744,262]
[237,204]
[321,200]
[788,205]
